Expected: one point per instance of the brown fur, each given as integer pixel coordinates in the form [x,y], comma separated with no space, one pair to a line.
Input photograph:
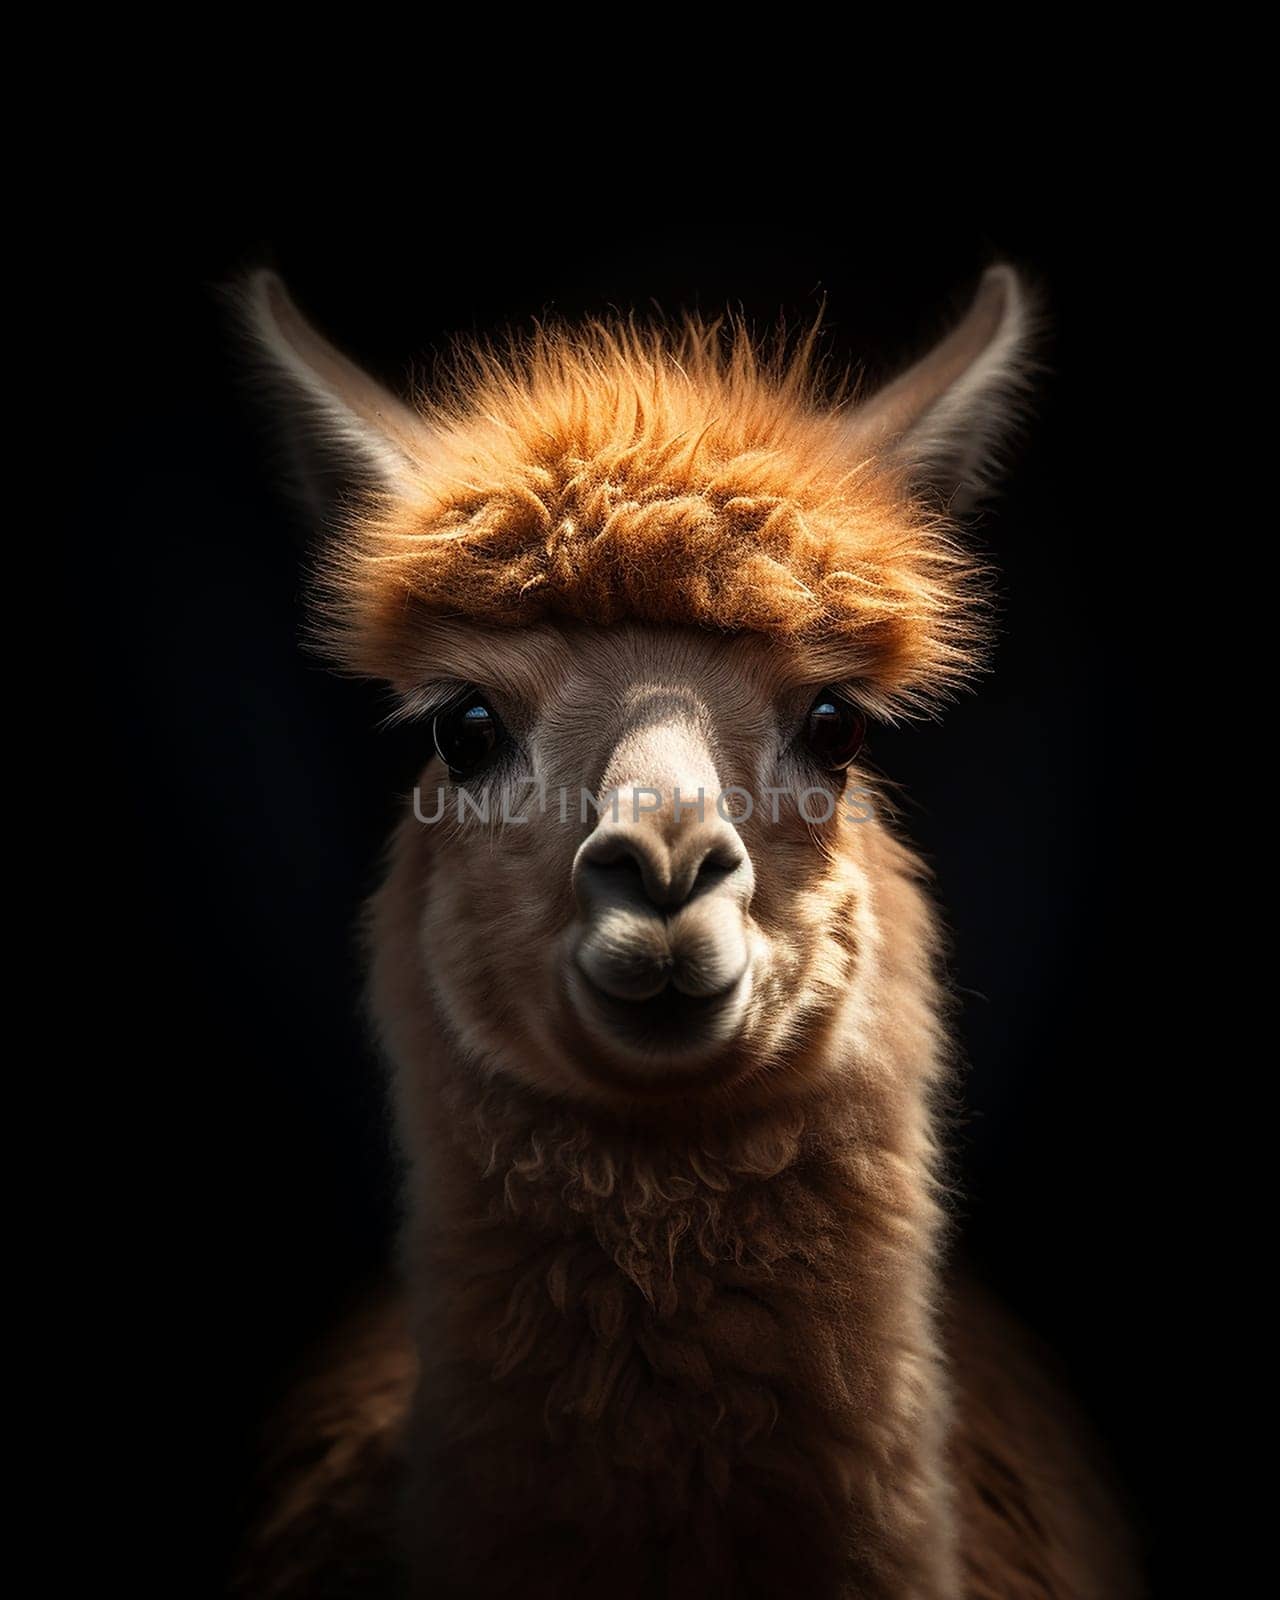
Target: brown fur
[688,477]
[695,1334]
[1033,1493]
[677,1323]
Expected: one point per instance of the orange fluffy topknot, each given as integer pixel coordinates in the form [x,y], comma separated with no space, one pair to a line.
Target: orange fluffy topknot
[685,475]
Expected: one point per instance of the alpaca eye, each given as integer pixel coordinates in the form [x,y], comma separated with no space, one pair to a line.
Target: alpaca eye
[467,735]
[833,731]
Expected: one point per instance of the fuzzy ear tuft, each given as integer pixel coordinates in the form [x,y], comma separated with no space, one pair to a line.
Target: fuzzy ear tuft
[342,422]
[946,419]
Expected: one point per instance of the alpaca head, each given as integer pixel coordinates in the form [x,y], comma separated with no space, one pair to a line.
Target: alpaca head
[641,589]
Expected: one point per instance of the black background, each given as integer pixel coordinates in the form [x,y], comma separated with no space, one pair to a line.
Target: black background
[255,787]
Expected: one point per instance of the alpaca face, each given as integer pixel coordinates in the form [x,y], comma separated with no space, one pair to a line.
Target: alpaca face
[639,587]
[642,875]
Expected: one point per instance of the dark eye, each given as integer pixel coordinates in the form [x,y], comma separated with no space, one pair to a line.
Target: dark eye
[833,731]
[467,735]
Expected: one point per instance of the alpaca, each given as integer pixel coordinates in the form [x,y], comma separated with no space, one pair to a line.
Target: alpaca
[656,980]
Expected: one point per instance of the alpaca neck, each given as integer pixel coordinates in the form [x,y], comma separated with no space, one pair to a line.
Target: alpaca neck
[710,1342]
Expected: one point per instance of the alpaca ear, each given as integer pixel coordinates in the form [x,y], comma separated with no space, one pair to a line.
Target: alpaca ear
[339,422]
[946,418]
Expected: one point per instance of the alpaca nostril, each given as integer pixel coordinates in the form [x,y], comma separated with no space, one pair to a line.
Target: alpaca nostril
[625,864]
[615,874]
[703,864]
[719,864]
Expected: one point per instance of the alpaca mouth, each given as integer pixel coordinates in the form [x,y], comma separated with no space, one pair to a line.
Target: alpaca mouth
[668,1024]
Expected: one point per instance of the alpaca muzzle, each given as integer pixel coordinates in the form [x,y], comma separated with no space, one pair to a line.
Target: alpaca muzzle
[662,960]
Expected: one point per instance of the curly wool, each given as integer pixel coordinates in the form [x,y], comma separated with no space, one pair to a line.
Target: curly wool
[689,475]
[701,1199]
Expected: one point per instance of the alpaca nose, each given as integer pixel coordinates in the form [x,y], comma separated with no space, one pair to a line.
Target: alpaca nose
[661,855]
